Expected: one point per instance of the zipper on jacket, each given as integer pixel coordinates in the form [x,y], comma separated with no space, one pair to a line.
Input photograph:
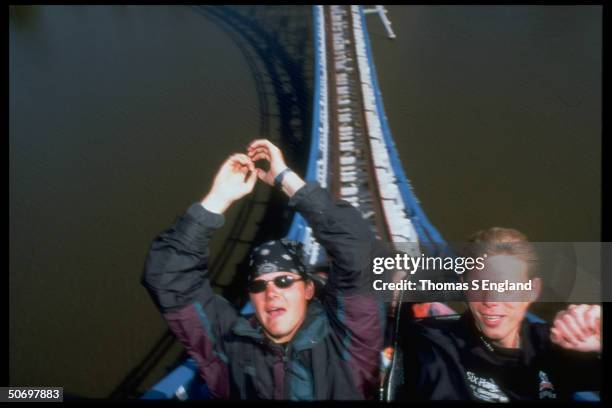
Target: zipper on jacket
[279,370]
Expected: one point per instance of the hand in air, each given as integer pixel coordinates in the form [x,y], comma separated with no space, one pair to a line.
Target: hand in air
[578,328]
[263,149]
[235,178]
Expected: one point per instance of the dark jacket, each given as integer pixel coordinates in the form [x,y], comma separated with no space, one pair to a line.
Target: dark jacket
[336,352]
[448,359]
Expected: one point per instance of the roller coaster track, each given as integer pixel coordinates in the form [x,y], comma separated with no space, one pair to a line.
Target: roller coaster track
[352,151]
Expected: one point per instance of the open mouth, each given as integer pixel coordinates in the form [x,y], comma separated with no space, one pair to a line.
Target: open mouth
[492,320]
[275,311]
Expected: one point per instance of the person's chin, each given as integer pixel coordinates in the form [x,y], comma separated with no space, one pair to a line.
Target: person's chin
[495,334]
[278,329]
[278,333]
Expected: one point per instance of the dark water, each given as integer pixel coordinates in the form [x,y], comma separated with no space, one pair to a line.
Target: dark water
[119,116]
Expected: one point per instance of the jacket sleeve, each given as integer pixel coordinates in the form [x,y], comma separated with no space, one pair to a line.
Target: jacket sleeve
[175,277]
[355,312]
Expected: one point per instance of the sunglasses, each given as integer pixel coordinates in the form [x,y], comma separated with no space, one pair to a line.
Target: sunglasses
[281,282]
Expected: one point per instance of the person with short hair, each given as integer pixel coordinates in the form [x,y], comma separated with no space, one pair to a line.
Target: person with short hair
[295,346]
[493,352]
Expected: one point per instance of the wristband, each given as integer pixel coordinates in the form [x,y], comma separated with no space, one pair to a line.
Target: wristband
[278,180]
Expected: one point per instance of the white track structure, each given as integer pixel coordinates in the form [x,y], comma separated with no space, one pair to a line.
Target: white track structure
[396,214]
[353,80]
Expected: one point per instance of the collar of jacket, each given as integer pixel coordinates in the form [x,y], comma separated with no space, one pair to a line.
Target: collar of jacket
[314,329]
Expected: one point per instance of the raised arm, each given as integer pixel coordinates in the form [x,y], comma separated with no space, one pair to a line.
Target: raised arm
[176,268]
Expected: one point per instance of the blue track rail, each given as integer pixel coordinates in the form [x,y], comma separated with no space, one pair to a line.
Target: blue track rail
[298,225]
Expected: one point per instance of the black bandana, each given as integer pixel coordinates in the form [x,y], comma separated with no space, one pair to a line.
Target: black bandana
[277,256]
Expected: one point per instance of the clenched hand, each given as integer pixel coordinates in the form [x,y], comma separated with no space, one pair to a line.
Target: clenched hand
[578,328]
[235,178]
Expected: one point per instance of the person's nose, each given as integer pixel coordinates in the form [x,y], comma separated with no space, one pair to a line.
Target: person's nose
[271,291]
[490,302]
[489,299]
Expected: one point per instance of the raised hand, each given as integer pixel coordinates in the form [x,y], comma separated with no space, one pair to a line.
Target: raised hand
[263,149]
[235,178]
[578,328]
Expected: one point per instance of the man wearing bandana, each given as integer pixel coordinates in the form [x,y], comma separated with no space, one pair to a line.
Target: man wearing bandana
[296,346]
